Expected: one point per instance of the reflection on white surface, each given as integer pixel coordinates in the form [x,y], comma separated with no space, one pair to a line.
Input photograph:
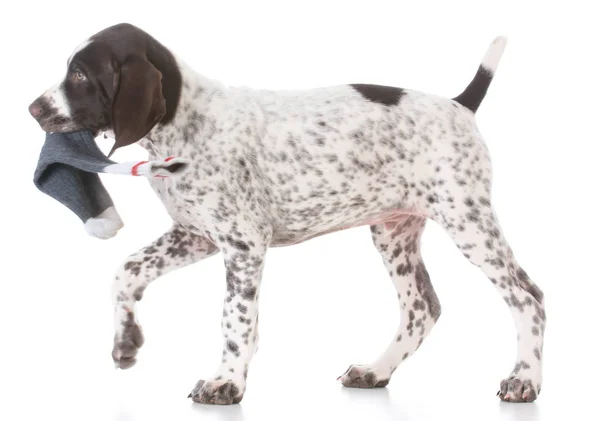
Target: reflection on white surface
[376,401]
[520,411]
[220,413]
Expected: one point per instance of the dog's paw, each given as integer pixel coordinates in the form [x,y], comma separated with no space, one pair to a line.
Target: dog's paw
[515,389]
[217,391]
[128,340]
[362,377]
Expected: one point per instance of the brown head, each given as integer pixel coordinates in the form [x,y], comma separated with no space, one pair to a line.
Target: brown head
[121,79]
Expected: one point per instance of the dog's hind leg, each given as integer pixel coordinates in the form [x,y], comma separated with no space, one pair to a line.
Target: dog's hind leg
[473,226]
[462,206]
[173,250]
[419,305]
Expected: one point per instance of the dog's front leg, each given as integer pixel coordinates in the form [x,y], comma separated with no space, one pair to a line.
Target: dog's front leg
[244,253]
[175,249]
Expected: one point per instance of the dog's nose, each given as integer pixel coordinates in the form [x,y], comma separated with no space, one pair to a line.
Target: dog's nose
[35,109]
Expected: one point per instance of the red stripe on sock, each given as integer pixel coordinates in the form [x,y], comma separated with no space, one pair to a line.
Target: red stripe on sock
[134,169]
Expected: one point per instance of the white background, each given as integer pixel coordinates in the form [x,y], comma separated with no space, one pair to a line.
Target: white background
[326,303]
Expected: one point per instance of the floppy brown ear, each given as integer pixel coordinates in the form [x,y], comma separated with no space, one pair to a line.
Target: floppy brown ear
[138,103]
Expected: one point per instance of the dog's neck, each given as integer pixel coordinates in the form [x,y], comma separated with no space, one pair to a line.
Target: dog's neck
[189,122]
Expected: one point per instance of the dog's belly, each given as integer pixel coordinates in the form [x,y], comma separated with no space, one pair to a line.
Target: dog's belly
[182,210]
[390,219]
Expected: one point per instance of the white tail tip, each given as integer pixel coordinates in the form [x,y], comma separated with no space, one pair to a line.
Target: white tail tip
[494,53]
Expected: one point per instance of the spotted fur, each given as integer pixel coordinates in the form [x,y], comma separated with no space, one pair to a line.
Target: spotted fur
[276,168]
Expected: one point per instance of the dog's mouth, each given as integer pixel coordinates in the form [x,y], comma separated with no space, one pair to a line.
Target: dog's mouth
[56,123]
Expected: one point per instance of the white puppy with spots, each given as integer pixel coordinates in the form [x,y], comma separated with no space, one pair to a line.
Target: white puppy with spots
[272,168]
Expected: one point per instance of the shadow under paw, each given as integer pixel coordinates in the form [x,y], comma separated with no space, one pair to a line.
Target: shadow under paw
[216,392]
[126,347]
[362,378]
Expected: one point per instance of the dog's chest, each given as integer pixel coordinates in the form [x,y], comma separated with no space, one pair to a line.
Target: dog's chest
[182,199]
[184,196]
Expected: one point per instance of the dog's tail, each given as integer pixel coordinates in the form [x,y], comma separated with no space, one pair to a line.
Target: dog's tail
[475,92]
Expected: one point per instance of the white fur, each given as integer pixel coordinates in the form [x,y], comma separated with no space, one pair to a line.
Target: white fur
[56,97]
[494,54]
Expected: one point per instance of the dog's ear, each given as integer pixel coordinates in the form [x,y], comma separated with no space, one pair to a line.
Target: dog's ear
[138,102]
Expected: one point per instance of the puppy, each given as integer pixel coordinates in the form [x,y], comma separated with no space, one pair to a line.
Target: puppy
[271,168]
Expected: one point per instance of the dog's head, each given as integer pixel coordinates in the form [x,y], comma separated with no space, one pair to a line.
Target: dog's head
[121,79]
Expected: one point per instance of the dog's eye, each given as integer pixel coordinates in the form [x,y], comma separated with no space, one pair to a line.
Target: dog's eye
[78,75]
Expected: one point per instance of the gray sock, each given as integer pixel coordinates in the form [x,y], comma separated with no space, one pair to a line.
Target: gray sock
[67,171]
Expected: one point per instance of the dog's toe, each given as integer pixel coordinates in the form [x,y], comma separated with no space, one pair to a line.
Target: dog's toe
[362,377]
[217,392]
[517,390]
